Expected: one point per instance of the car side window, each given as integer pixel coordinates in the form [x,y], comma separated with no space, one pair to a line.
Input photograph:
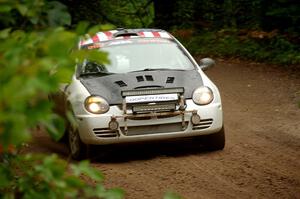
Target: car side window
[92,67]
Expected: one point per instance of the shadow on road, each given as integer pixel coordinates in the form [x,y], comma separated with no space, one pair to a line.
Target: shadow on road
[145,151]
[42,143]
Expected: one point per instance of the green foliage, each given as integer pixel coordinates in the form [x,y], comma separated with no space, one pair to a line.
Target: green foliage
[28,58]
[33,63]
[232,43]
[39,176]
[121,13]
[57,15]
[238,14]
[36,14]
[183,14]
[36,55]
[172,195]
[283,15]
[219,25]
[130,13]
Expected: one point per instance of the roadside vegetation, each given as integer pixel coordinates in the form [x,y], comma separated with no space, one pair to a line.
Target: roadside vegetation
[35,58]
[260,46]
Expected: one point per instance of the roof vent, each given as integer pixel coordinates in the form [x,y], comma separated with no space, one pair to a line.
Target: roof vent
[140,78]
[124,33]
[170,80]
[121,83]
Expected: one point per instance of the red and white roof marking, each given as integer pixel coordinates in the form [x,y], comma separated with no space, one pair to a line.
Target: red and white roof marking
[108,35]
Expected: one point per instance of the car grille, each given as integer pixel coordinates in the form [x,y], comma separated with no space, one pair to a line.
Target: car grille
[149,117]
[105,132]
[204,124]
[142,108]
[153,129]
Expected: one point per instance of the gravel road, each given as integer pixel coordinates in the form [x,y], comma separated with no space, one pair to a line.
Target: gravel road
[262,154]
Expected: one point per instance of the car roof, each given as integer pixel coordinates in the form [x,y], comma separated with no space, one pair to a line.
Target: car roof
[123,34]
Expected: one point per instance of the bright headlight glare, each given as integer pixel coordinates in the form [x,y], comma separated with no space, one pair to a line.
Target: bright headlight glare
[203,95]
[96,105]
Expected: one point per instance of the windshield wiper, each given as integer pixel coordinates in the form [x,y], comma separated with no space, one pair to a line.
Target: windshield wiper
[155,69]
[99,73]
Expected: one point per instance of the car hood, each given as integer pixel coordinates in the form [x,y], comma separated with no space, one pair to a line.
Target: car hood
[111,86]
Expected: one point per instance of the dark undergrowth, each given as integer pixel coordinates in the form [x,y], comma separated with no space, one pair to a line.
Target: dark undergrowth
[268,47]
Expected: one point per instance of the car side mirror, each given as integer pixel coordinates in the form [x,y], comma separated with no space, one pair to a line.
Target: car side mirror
[206,63]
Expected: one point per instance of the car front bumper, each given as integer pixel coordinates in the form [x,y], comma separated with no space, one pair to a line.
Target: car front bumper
[94,129]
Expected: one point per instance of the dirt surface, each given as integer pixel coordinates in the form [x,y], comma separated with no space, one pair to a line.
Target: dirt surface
[262,154]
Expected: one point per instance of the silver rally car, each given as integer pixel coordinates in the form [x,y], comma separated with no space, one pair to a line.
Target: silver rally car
[152,89]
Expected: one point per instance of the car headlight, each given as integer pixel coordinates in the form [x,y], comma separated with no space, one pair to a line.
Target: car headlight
[96,105]
[203,95]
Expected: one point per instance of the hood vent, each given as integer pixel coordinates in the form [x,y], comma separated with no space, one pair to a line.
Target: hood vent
[170,80]
[140,78]
[121,83]
[149,77]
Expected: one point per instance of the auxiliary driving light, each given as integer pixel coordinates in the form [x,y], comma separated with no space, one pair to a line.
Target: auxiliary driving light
[195,119]
[113,124]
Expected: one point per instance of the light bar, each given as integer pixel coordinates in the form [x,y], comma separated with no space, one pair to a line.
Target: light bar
[152,91]
[153,107]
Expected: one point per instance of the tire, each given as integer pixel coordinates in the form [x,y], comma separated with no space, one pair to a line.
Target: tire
[78,150]
[215,141]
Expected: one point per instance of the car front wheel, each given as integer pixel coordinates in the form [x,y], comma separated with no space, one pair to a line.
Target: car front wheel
[78,149]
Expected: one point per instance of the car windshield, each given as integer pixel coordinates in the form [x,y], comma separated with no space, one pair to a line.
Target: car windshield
[138,55]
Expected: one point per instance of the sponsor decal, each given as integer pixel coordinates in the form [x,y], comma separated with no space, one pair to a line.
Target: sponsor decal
[151,98]
[94,46]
